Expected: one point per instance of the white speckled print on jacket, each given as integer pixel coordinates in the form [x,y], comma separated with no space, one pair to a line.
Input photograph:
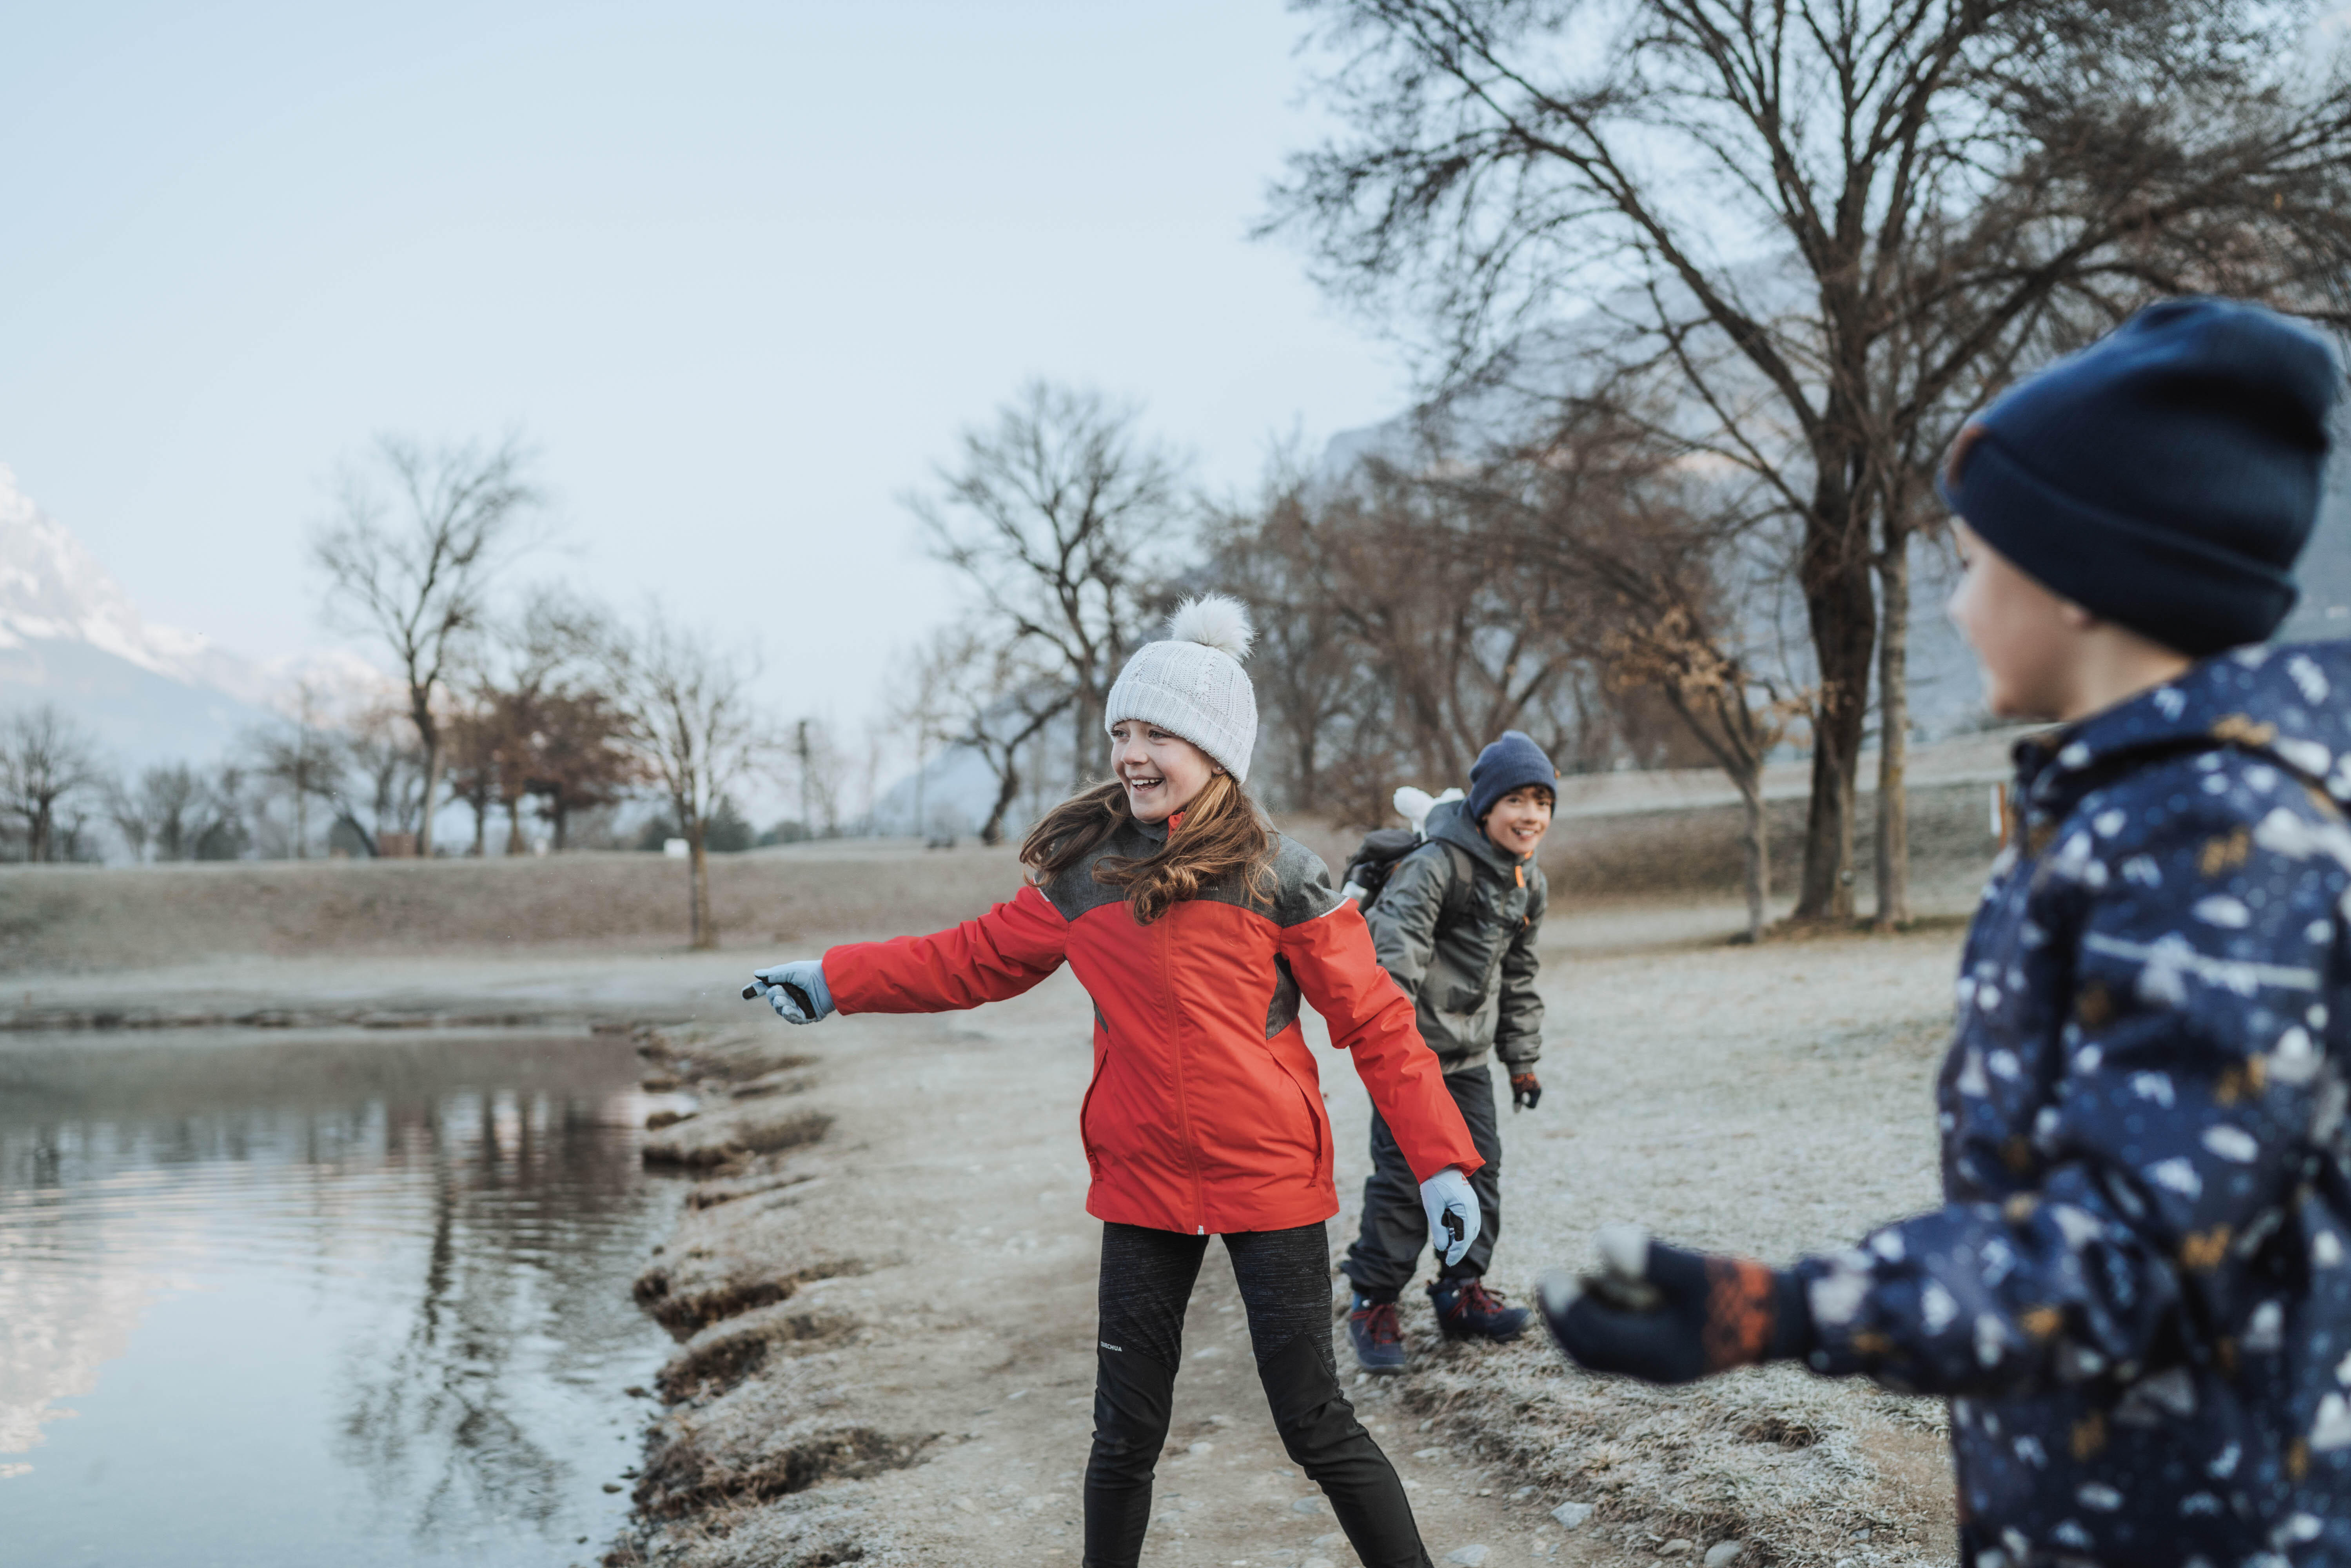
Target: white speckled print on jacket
[2139,1291]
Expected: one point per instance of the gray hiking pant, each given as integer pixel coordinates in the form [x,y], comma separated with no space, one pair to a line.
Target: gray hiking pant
[1395,1230]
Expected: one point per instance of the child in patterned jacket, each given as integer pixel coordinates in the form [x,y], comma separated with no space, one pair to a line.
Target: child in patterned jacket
[2137,1292]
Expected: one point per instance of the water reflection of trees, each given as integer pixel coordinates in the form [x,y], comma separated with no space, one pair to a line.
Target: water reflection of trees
[531,1200]
[506,1220]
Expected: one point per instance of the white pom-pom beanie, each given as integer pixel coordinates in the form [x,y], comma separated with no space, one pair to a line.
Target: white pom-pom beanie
[1192,684]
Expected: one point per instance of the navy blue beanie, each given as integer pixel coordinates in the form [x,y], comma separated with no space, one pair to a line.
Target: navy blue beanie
[1510,763]
[2164,478]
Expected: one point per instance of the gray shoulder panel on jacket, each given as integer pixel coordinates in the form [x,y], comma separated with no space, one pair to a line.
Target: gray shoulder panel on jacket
[1302,889]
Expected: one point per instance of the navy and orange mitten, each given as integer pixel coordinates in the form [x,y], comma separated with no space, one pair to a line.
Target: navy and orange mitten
[1667,1315]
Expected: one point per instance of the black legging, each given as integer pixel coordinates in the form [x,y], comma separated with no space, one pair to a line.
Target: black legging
[1285,1282]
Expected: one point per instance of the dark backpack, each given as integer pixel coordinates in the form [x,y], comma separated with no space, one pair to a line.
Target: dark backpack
[1376,858]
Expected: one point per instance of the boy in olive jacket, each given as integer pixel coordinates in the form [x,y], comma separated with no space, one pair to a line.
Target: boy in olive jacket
[1455,925]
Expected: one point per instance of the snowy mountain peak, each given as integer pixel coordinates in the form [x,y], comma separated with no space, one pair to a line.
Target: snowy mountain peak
[51,587]
[52,590]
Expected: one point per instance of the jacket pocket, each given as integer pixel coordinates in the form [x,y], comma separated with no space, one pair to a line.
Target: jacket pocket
[1086,1105]
[1309,1101]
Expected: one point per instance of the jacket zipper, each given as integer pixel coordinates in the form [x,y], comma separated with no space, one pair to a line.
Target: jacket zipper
[1176,1059]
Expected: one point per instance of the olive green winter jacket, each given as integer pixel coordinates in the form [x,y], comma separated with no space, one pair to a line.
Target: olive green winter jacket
[1456,926]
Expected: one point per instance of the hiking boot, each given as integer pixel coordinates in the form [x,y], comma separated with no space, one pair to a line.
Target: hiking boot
[1379,1338]
[1467,1310]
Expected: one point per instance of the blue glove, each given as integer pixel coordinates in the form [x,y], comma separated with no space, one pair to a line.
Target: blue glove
[1454,1217]
[805,976]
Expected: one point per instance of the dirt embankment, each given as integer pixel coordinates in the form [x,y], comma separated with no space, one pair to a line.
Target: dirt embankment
[883,1293]
[87,917]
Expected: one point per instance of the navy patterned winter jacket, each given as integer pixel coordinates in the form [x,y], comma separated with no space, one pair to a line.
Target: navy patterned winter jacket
[2138,1290]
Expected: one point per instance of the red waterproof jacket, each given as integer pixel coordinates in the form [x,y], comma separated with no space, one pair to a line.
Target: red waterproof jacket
[1206,1112]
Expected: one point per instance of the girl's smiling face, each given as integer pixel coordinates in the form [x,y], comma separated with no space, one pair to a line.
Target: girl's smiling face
[1162,773]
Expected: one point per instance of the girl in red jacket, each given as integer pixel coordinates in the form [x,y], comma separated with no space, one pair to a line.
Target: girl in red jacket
[1197,931]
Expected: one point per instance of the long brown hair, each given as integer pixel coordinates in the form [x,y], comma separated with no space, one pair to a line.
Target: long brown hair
[1221,836]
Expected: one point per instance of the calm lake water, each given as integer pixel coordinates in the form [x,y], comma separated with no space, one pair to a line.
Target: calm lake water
[353,1299]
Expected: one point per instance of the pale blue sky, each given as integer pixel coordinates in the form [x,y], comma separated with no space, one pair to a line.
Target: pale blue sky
[742,272]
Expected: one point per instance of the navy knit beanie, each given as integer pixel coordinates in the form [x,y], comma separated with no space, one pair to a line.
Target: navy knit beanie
[1510,763]
[2164,478]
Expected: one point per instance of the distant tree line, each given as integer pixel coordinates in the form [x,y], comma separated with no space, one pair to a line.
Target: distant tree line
[548,726]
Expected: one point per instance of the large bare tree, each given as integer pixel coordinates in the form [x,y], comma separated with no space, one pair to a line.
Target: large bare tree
[1832,225]
[46,762]
[417,535]
[690,717]
[1055,514]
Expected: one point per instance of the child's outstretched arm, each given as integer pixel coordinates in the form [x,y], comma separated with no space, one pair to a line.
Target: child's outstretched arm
[2191,1081]
[1331,958]
[2191,1084]
[1003,953]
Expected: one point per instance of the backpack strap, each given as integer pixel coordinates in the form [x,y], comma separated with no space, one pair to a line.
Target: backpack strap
[1460,878]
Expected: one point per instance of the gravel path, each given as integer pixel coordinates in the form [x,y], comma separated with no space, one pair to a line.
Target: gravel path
[1773,1099]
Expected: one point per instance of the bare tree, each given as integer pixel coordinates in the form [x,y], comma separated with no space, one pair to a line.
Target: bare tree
[131,823]
[302,758]
[157,811]
[1002,701]
[414,567]
[218,830]
[1309,676]
[46,762]
[822,771]
[1055,515]
[926,715]
[1408,625]
[1779,207]
[1651,555]
[390,767]
[688,710]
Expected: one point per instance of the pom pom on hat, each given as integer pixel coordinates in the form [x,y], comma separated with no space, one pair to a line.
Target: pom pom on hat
[1191,683]
[1215,621]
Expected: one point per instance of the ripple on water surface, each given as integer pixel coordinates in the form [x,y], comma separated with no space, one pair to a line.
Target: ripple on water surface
[325,1298]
